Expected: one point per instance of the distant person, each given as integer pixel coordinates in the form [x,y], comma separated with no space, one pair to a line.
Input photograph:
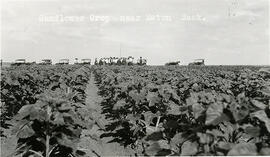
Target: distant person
[140,61]
[96,61]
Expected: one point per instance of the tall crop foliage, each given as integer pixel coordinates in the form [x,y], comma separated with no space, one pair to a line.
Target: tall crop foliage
[51,127]
[188,110]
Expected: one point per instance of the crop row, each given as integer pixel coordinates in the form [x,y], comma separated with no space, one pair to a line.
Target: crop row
[187,110]
[45,108]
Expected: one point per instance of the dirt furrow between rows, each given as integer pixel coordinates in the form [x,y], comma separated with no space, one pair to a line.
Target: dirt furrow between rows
[91,142]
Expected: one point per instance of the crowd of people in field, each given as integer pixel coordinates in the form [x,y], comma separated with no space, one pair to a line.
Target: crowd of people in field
[120,61]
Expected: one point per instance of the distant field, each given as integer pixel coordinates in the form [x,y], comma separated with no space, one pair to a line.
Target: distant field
[135,110]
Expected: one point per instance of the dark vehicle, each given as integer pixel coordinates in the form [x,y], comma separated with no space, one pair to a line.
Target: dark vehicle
[172,63]
[19,62]
[63,62]
[86,61]
[46,62]
[199,62]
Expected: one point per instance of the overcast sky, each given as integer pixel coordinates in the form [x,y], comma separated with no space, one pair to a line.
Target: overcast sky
[221,31]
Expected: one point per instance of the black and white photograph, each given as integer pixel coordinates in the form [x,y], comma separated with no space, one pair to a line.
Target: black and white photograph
[118,78]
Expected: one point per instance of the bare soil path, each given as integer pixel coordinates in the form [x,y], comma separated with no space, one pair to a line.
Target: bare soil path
[94,145]
[8,144]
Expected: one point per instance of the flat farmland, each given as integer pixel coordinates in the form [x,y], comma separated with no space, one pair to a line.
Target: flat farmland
[76,110]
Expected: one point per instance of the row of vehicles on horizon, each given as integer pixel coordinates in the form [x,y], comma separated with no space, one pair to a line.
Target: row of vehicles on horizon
[196,62]
[19,62]
[103,61]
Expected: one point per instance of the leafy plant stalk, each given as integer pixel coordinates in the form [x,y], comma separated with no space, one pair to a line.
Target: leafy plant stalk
[158,119]
[47,132]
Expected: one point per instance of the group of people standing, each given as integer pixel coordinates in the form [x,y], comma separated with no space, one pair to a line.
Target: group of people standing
[120,61]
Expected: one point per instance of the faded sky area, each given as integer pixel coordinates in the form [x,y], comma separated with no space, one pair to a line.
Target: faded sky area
[226,32]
